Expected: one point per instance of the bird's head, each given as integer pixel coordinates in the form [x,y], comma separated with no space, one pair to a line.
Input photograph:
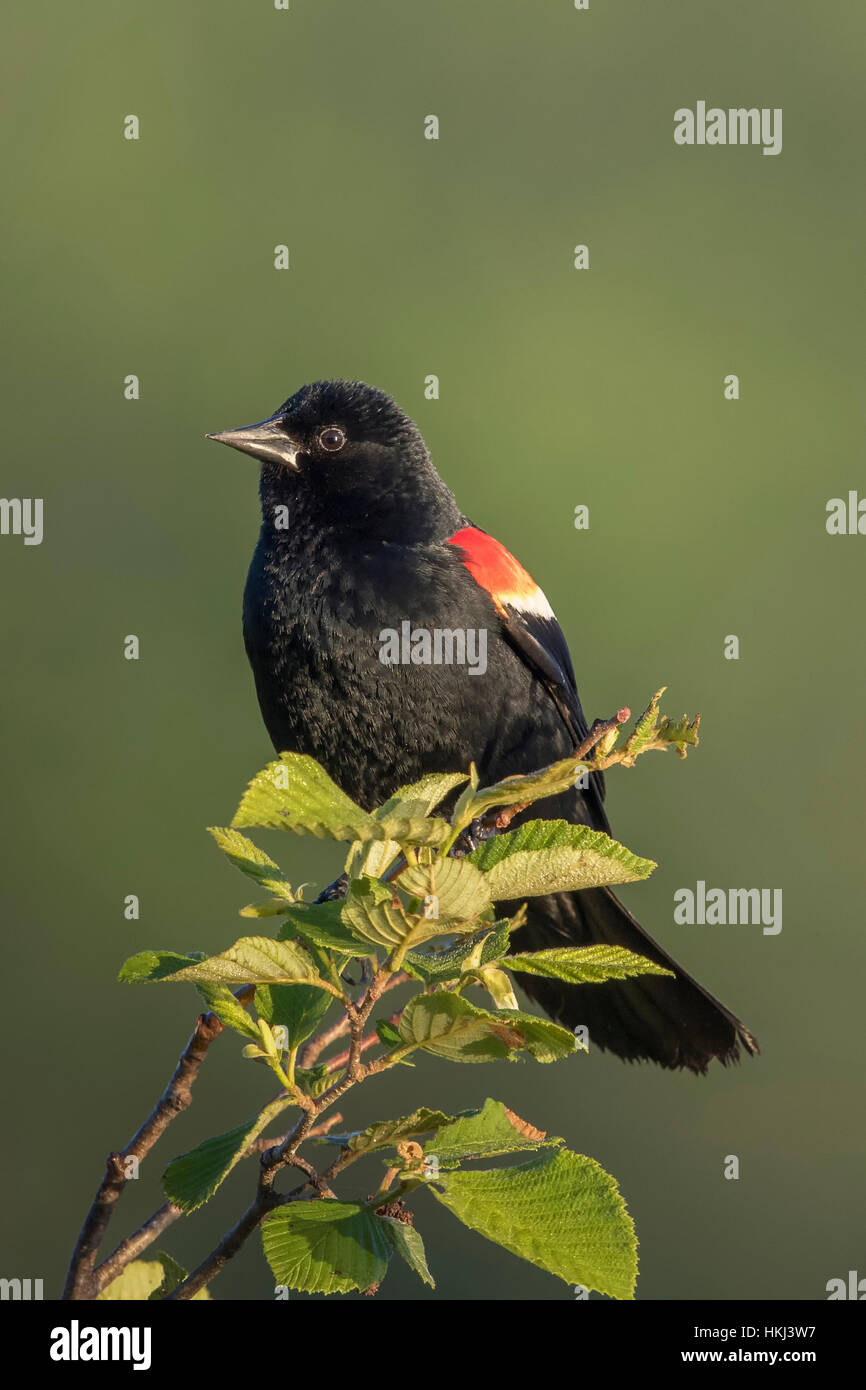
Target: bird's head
[343,449]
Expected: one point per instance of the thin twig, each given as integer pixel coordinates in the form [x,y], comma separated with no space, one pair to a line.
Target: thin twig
[176,1098]
[133,1246]
[263,1142]
[599,728]
[335,1063]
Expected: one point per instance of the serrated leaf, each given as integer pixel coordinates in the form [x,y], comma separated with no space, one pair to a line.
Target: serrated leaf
[407,1243]
[268,907]
[460,889]
[322,923]
[406,814]
[385,1134]
[326,1247]
[372,912]
[554,857]
[521,790]
[644,728]
[411,803]
[561,1212]
[314,1081]
[192,1178]
[153,965]
[438,967]
[297,1008]
[484,1133]
[497,984]
[252,861]
[679,732]
[254,960]
[419,798]
[449,1026]
[140,1281]
[584,965]
[387,1033]
[544,1040]
[173,1274]
[228,1010]
[295,793]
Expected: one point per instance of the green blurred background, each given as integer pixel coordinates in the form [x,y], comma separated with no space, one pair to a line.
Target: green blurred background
[558,387]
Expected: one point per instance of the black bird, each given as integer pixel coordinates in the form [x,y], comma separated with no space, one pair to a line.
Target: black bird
[359,534]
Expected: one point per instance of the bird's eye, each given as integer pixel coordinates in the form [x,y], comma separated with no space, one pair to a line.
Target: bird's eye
[332,439]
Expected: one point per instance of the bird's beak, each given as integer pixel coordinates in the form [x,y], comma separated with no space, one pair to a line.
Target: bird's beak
[266,440]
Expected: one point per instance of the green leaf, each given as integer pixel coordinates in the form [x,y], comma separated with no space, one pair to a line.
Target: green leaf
[437,967]
[385,1134]
[326,1247]
[322,923]
[153,965]
[584,965]
[228,1010]
[173,1274]
[449,1026]
[518,791]
[142,1280]
[653,730]
[295,793]
[419,798]
[544,1040]
[253,960]
[406,815]
[644,728]
[268,907]
[252,861]
[679,732]
[485,1133]
[372,912]
[388,1033]
[413,801]
[314,1081]
[554,857]
[497,984]
[191,1179]
[561,1211]
[461,891]
[406,1242]
[297,1008]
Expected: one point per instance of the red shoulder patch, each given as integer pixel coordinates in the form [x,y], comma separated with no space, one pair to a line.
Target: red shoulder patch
[497,571]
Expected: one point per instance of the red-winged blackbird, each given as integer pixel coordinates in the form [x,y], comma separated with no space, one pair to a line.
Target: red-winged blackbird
[359,536]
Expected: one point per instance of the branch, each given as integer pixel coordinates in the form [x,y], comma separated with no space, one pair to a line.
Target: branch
[335,1063]
[133,1246]
[81,1282]
[263,1143]
[600,727]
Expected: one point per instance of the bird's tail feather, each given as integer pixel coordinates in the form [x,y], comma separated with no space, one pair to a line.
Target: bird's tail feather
[672,1021]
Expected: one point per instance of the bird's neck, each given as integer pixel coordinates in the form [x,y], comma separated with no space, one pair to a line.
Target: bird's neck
[418,510]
